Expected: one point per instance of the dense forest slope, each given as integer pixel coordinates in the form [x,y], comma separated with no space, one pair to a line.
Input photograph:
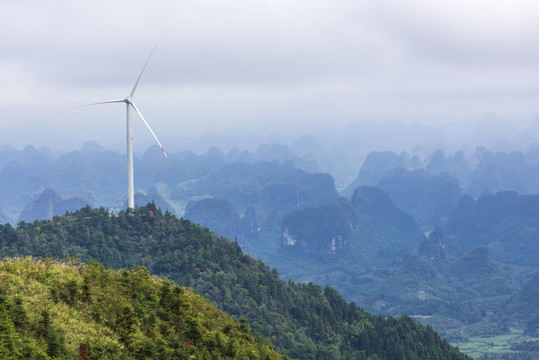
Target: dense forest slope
[303,320]
[52,310]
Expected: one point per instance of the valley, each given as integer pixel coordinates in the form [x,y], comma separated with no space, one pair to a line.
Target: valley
[307,180]
[403,238]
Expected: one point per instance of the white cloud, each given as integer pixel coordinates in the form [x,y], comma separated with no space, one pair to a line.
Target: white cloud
[261,60]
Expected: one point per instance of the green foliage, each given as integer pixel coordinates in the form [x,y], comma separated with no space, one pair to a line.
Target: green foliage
[140,317]
[9,346]
[301,320]
[458,295]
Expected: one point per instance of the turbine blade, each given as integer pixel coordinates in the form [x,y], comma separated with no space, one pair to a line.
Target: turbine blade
[96,103]
[149,128]
[144,67]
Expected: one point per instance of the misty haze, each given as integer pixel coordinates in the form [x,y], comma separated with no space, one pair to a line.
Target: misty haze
[345,180]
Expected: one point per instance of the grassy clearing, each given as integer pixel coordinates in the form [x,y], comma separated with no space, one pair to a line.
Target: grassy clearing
[477,346]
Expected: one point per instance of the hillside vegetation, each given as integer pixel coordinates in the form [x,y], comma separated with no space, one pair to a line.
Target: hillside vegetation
[302,320]
[59,310]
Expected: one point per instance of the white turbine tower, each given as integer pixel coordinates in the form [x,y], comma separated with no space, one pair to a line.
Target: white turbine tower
[129,103]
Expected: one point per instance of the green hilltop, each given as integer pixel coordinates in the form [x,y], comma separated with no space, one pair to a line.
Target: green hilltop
[60,310]
[303,321]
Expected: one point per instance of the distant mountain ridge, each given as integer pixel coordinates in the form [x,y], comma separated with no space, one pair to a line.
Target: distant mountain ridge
[483,170]
[395,246]
[48,204]
[506,222]
[101,172]
[100,177]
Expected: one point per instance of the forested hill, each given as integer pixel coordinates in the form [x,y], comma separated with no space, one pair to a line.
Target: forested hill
[58,310]
[303,321]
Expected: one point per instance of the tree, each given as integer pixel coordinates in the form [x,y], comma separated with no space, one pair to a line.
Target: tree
[8,335]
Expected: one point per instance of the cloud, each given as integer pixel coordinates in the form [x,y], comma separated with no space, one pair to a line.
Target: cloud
[268,60]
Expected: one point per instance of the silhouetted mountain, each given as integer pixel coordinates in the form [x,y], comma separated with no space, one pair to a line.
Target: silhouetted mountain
[251,227]
[8,154]
[269,189]
[92,147]
[492,128]
[431,199]
[476,173]
[375,166]
[320,231]
[437,163]
[506,222]
[380,215]
[283,153]
[505,172]
[216,214]
[438,249]
[307,144]
[142,199]
[365,247]
[25,173]
[463,213]
[481,273]
[242,184]
[341,242]
[48,204]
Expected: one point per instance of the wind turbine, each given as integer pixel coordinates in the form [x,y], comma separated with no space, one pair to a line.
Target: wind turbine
[130,104]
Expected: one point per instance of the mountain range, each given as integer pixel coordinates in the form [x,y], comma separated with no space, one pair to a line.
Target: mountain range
[394,241]
[302,320]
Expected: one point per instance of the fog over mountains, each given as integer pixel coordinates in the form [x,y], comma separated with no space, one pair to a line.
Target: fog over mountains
[399,223]
[493,156]
[338,149]
[387,148]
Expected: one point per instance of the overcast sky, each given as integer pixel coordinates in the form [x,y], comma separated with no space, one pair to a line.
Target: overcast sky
[293,62]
